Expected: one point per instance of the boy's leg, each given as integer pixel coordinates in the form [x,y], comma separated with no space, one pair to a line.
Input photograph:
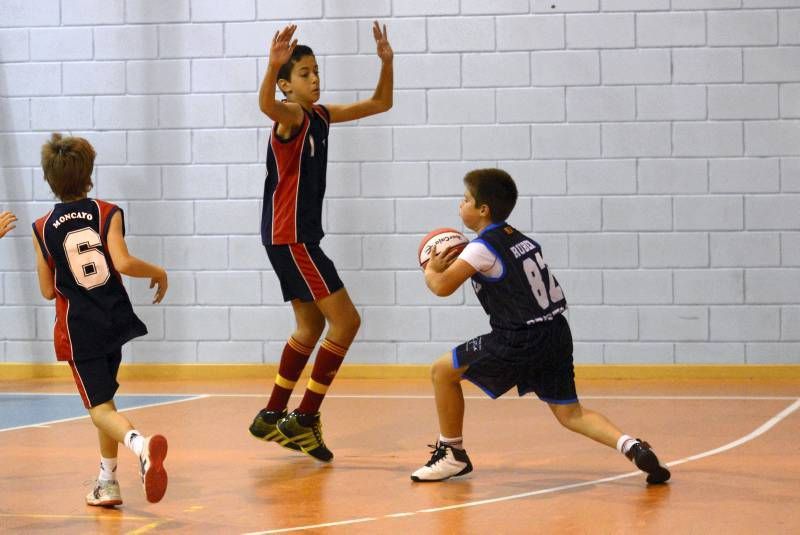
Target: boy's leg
[310,324]
[449,396]
[597,427]
[303,426]
[106,492]
[449,459]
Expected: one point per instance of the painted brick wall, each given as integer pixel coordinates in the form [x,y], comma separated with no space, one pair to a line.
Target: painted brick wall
[656,145]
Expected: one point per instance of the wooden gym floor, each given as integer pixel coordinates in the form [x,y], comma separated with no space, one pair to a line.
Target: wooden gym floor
[733,446]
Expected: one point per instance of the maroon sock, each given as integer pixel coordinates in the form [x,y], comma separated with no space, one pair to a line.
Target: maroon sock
[329,358]
[293,360]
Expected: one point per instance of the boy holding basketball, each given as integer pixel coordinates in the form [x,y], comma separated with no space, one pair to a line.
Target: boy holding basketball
[80,253]
[291,229]
[530,345]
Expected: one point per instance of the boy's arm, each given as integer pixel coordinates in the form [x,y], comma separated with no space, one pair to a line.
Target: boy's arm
[128,264]
[444,272]
[47,283]
[381,100]
[288,114]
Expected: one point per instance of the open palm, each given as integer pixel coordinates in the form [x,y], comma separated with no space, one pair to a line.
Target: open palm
[280,51]
[382,41]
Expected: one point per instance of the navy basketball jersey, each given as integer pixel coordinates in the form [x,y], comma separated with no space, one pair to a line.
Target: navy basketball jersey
[295,184]
[94,316]
[526,292]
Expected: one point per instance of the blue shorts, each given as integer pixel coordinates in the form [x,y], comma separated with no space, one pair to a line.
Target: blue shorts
[538,359]
[303,270]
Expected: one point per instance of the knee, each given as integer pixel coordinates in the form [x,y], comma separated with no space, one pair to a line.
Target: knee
[568,416]
[350,323]
[443,372]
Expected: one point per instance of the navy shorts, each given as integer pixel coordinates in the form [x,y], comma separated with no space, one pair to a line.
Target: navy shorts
[96,378]
[305,273]
[538,359]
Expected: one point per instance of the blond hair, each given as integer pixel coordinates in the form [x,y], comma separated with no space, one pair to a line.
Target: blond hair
[67,163]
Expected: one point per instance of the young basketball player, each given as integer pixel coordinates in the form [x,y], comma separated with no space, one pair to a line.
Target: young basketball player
[530,345]
[291,229]
[80,254]
[7,220]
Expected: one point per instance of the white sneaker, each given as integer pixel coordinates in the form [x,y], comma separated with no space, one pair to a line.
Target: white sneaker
[151,468]
[104,494]
[446,462]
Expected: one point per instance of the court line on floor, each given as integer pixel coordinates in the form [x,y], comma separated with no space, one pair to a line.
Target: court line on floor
[194,396]
[763,428]
[146,406]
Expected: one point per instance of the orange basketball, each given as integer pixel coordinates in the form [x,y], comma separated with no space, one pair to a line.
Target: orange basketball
[441,238]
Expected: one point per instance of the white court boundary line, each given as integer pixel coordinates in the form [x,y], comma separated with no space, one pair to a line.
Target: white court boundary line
[763,428]
[191,397]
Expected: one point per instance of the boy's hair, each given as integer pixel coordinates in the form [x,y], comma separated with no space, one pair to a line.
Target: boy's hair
[67,163]
[495,188]
[299,52]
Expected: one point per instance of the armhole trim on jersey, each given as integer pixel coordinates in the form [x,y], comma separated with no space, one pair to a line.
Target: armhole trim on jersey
[293,138]
[39,233]
[497,257]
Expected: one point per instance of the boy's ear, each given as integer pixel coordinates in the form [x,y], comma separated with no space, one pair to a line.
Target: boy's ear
[284,85]
[485,210]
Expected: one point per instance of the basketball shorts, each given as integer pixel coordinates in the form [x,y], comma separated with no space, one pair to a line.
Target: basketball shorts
[538,359]
[304,272]
[96,378]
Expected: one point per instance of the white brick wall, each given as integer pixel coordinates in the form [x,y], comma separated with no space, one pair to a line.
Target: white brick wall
[656,147]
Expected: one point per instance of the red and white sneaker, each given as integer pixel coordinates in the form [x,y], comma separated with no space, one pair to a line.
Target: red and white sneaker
[151,468]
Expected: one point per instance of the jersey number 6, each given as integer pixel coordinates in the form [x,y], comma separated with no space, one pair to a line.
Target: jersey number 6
[534,272]
[87,263]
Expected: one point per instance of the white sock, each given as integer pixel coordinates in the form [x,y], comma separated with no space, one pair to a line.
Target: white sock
[456,442]
[134,441]
[108,469]
[625,442]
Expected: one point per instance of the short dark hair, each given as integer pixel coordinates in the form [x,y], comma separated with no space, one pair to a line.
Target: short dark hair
[495,188]
[67,163]
[299,52]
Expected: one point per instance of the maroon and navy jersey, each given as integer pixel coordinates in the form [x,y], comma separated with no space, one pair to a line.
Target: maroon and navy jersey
[295,184]
[94,316]
[526,292]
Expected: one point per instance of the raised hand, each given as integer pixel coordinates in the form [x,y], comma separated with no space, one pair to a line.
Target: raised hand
[6,220]
[280,51]
[382,41]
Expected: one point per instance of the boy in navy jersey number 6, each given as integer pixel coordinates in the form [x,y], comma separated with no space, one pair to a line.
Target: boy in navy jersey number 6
[291,229]
[80,253]
[530,345]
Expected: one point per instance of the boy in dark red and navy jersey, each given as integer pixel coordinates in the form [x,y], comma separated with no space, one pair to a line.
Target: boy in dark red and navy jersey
[530,345]
[81,252]
[291,229]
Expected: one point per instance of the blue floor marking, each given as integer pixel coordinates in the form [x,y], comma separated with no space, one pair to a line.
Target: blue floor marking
[31,409]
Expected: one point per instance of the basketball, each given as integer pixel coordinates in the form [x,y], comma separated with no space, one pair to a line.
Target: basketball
[441,238]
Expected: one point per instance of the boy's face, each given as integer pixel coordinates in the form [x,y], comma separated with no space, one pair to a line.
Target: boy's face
[303,84]
[474,217]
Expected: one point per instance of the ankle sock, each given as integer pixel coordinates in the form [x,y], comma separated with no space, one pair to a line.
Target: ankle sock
[455,442]
[108,469]
[625,443]
[134,441]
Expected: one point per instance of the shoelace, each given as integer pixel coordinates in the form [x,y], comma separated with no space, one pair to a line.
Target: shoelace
[438,452]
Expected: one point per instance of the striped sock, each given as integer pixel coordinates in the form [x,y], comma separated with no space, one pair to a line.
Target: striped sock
[293,360]
[329,358]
